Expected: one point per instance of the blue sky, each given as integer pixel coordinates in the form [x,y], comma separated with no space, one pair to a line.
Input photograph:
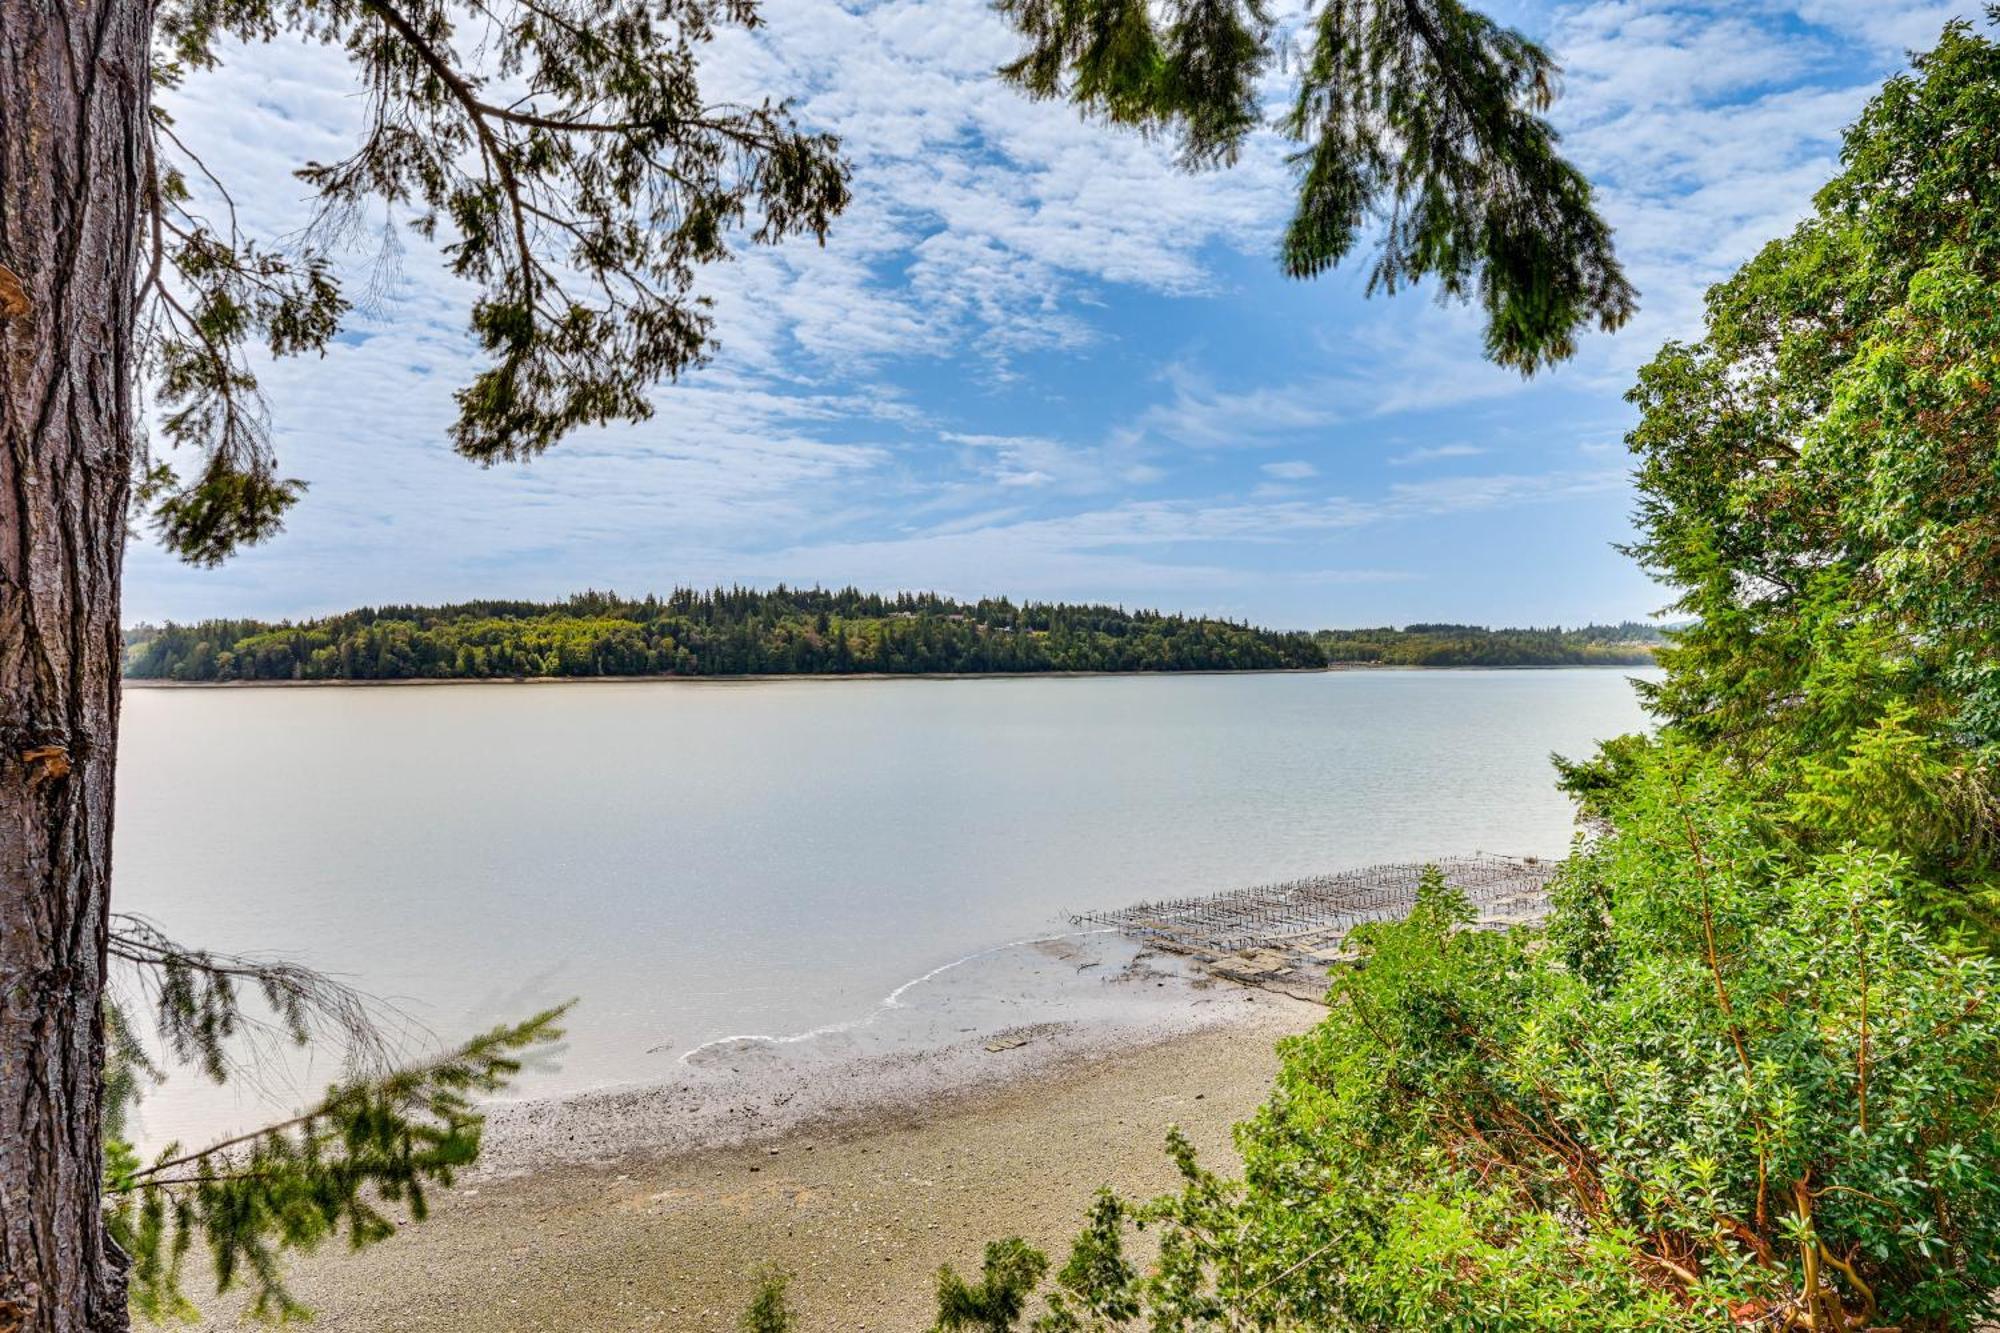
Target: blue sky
[1035,360]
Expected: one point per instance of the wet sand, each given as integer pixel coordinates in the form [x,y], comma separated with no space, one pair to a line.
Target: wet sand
[857,1171]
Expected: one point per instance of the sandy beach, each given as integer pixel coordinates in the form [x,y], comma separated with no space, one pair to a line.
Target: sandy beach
[857,1161]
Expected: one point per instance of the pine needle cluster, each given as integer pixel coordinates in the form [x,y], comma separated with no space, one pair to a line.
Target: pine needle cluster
[367,1152]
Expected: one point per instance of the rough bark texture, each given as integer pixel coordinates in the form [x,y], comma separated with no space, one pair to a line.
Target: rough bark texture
[73,97]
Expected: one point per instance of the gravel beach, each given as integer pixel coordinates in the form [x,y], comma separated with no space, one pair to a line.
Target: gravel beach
[858,1159]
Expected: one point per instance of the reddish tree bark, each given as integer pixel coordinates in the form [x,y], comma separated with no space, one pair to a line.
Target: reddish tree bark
[74,90]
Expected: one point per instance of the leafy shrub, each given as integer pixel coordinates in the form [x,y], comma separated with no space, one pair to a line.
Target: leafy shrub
[1730,1084]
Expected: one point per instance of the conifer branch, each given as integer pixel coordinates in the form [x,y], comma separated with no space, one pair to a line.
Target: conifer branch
[483,1064]
[193,994]
[369,1144]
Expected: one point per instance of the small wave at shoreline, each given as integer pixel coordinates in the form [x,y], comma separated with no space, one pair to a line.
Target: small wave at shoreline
[893,1000]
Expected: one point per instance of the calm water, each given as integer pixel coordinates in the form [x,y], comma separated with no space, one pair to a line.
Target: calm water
[698,860]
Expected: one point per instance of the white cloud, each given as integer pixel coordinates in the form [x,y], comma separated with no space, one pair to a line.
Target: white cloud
[1893,26]
[1177,551]
[956,387]
[1199,415]
[980,217]
[1448,495]
[1433,454]
[1041,461]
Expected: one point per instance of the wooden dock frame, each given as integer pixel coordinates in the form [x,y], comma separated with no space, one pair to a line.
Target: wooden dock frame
[1286,937]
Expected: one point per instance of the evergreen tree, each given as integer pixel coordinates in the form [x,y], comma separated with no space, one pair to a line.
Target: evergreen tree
[374,1143]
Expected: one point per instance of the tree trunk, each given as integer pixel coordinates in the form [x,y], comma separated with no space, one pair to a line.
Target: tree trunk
[73,97]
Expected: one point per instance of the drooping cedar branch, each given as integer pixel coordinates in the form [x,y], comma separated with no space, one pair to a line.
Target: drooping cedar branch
[371,1145]
[195,997]
[572,169]
[1419,119]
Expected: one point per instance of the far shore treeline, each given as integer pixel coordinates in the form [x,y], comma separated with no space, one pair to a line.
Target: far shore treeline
[740,631]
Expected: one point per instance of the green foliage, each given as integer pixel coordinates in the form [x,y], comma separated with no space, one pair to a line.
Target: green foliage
[371,1144]
[128,1067]
[1734,1083]
[561,153]
[769,1310]
[1818,473]
[809,631]
[1007,1278]
[1629,644]
[1819,482]
[1595,782]
[1421,113]
[1798,1062]
[1097,1288]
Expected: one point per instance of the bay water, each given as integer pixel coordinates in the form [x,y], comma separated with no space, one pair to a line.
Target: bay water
[698,860]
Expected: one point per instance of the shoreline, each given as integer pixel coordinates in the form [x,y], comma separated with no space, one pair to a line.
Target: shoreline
[1017,1013]
[859,1168]
[766,678]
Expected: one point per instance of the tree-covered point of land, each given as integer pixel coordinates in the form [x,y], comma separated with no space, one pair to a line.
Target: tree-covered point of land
[729,632]
[1629,643]
[1747,1073]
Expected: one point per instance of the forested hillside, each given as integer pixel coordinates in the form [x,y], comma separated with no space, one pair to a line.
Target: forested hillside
[732,632]
[725,632]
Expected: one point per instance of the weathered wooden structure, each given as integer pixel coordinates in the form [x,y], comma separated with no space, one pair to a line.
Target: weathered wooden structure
[1286,936]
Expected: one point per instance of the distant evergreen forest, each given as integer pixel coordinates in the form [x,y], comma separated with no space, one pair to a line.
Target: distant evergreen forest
[1629,643]
[740,631]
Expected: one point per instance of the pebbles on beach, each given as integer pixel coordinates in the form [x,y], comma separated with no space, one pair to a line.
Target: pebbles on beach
[652,1208]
